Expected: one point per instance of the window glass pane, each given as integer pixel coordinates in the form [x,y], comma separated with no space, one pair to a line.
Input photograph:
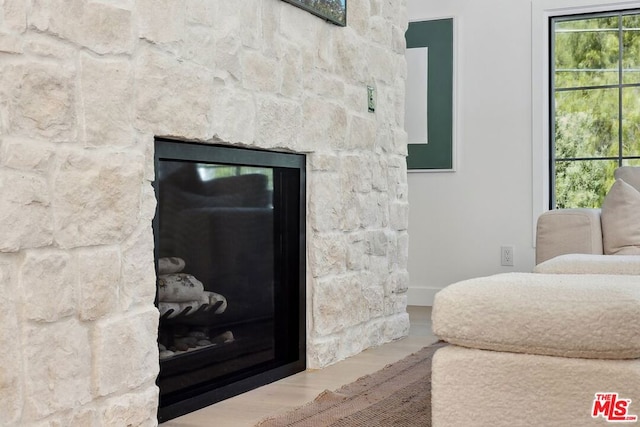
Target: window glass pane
[631,121]
[586,123]
[631,162]
[631,48]
[586,52]
[583,184]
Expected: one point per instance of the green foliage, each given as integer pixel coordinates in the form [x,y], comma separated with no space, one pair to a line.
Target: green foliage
[588,57]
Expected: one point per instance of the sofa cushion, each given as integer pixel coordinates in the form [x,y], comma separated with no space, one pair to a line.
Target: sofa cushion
[621,220]
[590,264]
[587,316]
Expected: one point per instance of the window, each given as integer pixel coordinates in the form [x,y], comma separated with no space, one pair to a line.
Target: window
[594,104]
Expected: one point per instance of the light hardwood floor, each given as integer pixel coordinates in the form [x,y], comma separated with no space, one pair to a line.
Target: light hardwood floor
[249,408]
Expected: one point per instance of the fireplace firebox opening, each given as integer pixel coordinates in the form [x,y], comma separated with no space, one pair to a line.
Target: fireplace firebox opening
[230,242]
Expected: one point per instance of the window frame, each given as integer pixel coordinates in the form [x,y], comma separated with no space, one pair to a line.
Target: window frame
[554,90]
[541,12]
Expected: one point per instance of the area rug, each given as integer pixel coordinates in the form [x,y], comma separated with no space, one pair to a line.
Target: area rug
[398,395]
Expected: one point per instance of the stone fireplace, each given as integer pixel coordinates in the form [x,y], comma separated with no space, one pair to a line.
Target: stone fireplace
[86,88]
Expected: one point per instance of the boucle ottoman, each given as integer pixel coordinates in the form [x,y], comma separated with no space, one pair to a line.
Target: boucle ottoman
[537,350]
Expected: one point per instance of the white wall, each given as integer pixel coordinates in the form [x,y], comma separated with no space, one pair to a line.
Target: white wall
[458,220]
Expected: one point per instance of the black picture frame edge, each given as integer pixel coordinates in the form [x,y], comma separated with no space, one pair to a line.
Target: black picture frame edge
[299,4]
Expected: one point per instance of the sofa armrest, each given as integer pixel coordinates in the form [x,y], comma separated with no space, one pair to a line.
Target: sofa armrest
[568,231]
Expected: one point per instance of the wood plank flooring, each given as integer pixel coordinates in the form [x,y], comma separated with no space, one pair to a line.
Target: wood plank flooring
[249,408]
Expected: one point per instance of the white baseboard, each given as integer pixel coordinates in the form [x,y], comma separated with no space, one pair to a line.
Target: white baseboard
[421,296]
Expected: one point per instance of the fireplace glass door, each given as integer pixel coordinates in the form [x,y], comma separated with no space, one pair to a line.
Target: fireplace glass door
[229,236]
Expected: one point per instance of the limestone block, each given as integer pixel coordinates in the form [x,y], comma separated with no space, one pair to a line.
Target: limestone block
[161,21]
[10,43]
[227,57]
[138,284]
[96,197]
[200,12]
[376,7]
[133,409]
[398,39]
[403,249]
[375,208]
[26,217]
[338,303]
[198,46]
[295,21]
[356,252]
[324,210]
[134,334]
[377,242]
[322,161]
[384,138]
[148,204]
[374,301]
[26,154]
[98,282]
[260,73]
[350,219]
[172,97]
[323,84]
[279,122]
[11,383]
[241,21]
[14,14]
[234,115]
[397,282]
[397,325]
[395,12]
[362,132]
[322,351]
[358,16]
[355,99]
[49,47]
[379,31]
[292,75]
[383,64]
[351,60]
[40,100]
[323,123]
[327,254]
[356,173]
[106,86]
[395,304]
[57,367]
[48,284]
[100,27]
[379,168]
[399,215]
[400,139]
[83,417]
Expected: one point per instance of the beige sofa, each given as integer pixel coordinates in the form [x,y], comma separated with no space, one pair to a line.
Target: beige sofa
[556,347]
[608,230]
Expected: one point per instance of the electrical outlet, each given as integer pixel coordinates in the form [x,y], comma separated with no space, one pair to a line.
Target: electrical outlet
[506,256]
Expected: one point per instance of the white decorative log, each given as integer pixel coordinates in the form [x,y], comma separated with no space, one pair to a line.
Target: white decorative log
[177,307]
[212,298]
[170,265]
[179,287]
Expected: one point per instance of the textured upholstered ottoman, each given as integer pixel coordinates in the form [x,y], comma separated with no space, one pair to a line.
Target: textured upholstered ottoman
[535,350]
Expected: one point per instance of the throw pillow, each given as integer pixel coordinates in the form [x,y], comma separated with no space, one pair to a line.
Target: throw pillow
[630,175]
[621,220]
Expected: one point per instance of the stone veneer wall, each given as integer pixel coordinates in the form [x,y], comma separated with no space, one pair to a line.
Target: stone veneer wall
[85,87]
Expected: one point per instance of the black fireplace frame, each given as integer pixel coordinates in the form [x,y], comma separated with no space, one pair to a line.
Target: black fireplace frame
[193,151]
